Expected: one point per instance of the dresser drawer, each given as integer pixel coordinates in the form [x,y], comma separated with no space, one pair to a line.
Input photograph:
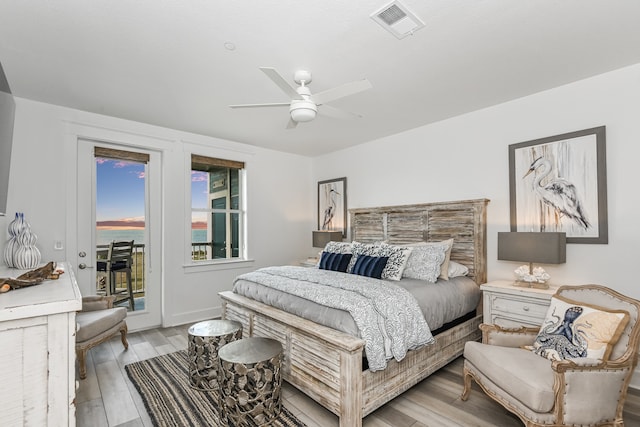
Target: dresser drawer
[519,307]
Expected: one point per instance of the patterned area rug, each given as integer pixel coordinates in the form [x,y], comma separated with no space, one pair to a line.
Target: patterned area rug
[164,386]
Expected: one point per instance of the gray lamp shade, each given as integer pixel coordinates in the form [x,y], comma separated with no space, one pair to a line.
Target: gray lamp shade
[321,238]
[542,248]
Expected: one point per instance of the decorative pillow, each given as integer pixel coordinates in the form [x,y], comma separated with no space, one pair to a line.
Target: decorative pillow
[457,269]
[370,266]
[398,256]
[338,247]
[334,261]
[425,262]
[577,330]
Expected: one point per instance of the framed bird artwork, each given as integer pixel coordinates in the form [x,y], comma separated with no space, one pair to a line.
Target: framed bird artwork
[332,205]
[559,184]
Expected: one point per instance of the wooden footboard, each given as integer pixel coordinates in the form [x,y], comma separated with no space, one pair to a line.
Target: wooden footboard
[326,364]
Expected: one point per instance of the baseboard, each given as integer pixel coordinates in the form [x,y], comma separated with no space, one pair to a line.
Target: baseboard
[192,317]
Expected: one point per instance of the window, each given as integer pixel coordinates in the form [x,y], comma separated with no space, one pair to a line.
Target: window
[217,209]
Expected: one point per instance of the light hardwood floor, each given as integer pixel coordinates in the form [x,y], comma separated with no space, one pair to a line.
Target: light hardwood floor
[107,397]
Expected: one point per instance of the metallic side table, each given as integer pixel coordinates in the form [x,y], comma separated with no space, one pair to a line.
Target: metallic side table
[250,381]
[205,339]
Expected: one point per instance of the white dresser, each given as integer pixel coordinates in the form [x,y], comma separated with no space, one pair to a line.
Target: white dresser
[512,306]
[37,351]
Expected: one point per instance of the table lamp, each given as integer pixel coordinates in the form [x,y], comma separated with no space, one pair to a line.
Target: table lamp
[322,237]
[532,247]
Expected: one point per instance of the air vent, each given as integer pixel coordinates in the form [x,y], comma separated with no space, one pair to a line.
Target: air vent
[392,15]
[397,19]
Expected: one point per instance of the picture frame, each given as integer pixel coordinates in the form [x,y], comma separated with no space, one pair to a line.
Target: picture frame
[559,184]
[332,205]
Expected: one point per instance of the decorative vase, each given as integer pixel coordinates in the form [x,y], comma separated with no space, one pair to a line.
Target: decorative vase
[27,256]
[15,227]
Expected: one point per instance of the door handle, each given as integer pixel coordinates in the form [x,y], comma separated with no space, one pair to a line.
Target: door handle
[82,266]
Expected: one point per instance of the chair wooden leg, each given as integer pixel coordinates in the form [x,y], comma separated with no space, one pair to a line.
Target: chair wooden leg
[111,286]
[81,355]
[123,336]
[130,286]
[467,385]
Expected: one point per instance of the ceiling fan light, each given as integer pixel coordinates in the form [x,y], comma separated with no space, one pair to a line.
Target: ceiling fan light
[303,111]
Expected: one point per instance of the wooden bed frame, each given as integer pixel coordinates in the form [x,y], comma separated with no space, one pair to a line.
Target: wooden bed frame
[327,364]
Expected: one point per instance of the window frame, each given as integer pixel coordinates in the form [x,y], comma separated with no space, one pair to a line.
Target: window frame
[201,163]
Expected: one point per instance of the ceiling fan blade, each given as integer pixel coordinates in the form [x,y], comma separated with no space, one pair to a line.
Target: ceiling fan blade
[273,104]
[341,91]
[336,113]
[289,89]
[292,124]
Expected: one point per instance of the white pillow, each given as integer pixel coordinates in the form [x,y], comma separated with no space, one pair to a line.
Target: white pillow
[457,269]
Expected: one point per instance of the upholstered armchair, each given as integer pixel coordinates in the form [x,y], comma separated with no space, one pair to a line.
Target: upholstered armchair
[569,392]
[97,322]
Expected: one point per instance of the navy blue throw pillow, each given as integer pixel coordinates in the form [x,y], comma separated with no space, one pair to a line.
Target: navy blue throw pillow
[334,262]
[370,266]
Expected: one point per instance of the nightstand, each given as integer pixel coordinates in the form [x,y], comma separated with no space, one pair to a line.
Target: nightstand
[511,306]
[309,262]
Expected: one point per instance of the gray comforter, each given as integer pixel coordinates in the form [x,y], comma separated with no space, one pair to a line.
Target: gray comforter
[388,317]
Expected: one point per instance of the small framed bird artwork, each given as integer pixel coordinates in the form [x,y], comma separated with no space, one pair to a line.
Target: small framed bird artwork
[559,184]
[332,205]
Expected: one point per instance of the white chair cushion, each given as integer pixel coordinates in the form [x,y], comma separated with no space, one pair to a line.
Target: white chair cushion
[92,323]
[519,372]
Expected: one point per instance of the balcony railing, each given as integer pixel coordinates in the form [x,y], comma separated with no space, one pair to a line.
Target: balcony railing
[203,250]
[200,250]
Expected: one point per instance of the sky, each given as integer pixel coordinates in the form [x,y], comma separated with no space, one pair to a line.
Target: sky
[120,191]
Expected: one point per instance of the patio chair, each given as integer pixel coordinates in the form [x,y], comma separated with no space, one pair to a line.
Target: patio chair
[118,261]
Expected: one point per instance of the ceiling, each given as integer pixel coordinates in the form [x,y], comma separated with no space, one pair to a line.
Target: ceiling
[165,62]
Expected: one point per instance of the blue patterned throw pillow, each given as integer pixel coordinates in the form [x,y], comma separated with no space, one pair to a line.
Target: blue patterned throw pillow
[369,266]
[334,261]
[397,257]
[574,330]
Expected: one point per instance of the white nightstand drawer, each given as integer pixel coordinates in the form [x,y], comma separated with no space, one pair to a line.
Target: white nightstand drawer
[512,306]
[527,308]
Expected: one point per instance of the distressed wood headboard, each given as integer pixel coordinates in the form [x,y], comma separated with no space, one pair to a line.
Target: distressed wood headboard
[465,221]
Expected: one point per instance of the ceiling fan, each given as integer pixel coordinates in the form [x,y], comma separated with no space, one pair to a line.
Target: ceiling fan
[303,106]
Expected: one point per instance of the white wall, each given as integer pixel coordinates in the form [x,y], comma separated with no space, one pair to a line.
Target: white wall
[280,200]
[466,157]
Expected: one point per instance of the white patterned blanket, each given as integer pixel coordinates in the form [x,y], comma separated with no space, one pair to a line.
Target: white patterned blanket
[387,315]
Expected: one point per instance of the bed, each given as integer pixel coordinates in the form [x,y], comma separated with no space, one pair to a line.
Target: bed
[327,364]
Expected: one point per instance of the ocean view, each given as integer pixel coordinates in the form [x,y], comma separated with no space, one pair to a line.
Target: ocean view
[104,236]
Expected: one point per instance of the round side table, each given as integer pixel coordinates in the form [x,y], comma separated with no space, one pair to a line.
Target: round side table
[205,339]
[250,381]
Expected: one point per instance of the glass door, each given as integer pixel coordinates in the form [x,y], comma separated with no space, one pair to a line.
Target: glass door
[119,201]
